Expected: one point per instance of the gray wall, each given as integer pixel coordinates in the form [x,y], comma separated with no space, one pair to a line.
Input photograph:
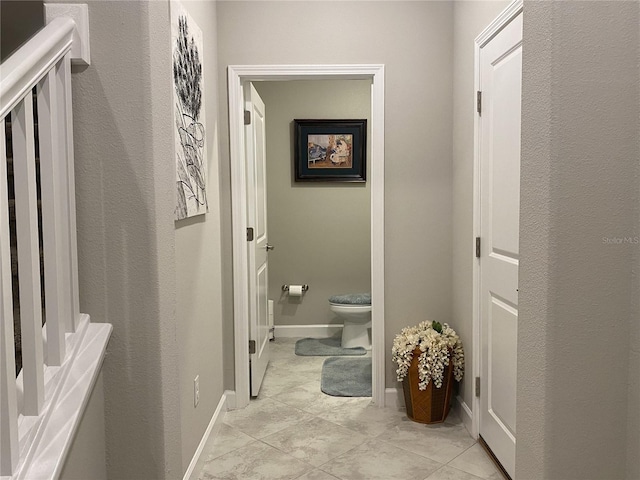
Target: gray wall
[321,231]
[126,244]
[198,309]
[470,19]
[156,281]
[577,334]
[414,40]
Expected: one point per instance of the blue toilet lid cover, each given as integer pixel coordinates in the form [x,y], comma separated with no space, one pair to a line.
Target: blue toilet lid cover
[351,299]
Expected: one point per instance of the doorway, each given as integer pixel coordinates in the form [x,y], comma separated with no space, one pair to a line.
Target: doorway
[238,76]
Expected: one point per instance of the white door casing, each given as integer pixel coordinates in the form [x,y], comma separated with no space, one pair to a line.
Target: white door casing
[499,79]
[257,253]
[238,75]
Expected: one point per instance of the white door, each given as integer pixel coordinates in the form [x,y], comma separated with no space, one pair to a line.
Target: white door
[258,246]
[499,148]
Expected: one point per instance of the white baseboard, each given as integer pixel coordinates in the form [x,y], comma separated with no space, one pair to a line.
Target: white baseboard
[465,414]
[313,331]
[393,397]
[231,399]
[209,434]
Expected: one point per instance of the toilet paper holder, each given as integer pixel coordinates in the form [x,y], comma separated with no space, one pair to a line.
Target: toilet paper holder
[285,288]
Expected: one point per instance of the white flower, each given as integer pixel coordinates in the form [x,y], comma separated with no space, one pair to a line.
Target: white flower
[437,351]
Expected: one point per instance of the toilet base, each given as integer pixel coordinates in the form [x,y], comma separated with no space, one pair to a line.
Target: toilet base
[356,334]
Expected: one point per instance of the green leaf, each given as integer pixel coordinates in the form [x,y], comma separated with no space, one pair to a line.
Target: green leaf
[437,326]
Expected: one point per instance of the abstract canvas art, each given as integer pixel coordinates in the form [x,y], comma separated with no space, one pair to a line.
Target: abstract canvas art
[188,111]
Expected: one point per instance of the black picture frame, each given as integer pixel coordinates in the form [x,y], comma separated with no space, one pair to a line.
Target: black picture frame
[330,150]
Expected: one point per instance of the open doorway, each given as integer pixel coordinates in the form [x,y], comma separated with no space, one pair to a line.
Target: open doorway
[319,233]
[240,76]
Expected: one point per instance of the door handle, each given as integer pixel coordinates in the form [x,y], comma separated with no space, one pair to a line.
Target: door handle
[269,247]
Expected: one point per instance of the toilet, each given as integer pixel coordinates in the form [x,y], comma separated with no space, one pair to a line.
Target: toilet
[355,311]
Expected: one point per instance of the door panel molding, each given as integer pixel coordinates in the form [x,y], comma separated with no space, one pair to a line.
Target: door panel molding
[238,75]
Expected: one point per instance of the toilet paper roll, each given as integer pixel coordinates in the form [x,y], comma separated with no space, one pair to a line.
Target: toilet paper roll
[295,290]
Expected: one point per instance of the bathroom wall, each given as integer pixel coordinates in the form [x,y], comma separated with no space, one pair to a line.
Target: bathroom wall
[415,42]
[470,18]
[321,231]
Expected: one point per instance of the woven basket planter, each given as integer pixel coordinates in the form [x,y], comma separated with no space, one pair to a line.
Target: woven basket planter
[431,405]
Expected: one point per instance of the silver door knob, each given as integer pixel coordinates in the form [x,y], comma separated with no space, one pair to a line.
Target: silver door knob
[269,247]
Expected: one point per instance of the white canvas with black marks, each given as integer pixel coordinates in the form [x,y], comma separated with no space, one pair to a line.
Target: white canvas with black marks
[188,109]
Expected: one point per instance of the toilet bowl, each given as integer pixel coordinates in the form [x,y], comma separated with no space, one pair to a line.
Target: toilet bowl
[355,311]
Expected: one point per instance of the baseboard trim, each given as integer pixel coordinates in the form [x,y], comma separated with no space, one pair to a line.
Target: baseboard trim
[313,331]
[465,413]
[393,398]
[210,433]
[231,399]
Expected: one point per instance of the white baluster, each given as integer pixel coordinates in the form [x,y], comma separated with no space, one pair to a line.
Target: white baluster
[64,71]
[8,400]
[52,198]
[24,174]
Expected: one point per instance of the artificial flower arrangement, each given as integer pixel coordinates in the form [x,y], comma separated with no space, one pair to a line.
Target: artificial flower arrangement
[439,344]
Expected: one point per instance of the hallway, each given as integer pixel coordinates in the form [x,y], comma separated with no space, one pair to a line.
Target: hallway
[294,431]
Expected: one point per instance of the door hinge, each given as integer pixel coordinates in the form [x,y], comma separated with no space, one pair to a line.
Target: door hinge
[250,234]
[477,386]
[252,347]
[479,102]
[478,247]
[247,117]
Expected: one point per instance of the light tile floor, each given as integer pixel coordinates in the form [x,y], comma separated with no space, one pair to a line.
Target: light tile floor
[294,431]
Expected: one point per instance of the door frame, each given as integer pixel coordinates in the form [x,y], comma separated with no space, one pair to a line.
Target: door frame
[505,17]
[237,75]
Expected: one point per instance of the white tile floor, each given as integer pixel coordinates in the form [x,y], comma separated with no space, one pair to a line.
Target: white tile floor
[294,431]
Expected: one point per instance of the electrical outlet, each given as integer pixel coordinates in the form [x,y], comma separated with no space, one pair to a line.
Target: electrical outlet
[196,390]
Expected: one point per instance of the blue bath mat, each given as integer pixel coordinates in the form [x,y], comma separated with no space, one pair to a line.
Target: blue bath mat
[325,347]
[346,377]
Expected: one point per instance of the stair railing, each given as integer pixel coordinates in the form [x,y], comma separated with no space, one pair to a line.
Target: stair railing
[40,69]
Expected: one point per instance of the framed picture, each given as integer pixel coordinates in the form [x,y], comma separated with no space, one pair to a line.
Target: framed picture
[330,150]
